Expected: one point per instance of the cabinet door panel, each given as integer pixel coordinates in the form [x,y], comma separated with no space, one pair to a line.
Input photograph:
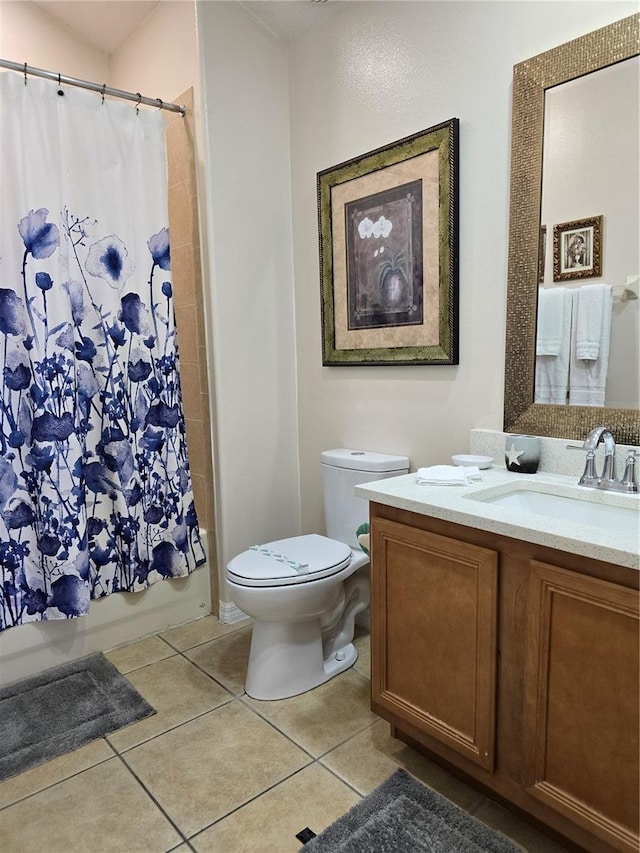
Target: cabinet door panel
[581,718]
[434,635]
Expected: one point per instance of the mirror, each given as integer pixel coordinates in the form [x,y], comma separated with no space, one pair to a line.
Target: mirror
[532,78]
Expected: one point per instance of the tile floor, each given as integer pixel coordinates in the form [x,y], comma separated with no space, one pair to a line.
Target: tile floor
[214,771]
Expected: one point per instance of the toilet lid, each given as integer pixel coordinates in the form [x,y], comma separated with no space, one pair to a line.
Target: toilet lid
[289,561]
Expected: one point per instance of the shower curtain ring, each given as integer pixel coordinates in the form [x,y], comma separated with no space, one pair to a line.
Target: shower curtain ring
[25,74]
[104,86]
[160,103]
[60,92]
[138,104]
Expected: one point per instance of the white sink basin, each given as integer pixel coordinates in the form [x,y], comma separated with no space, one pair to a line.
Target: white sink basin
[616,513]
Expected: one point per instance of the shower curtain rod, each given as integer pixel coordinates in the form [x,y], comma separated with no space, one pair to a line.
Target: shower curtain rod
[95,87]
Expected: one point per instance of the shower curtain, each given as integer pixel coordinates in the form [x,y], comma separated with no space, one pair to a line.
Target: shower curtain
[95,490]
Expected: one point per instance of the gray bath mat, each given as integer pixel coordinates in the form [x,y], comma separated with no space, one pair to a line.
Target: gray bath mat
[404,816]
[61,709]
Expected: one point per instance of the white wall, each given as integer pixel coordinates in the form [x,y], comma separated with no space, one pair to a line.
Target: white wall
[370,75]
[27,34]
[160,58]
[250,277]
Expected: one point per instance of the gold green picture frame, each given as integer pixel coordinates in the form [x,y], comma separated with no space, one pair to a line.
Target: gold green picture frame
[388,234]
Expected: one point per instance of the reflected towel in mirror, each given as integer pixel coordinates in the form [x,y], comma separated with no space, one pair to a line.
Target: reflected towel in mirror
[588,378]
[553,345]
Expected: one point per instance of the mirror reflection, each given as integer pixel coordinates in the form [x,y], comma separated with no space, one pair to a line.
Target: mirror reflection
[587,342]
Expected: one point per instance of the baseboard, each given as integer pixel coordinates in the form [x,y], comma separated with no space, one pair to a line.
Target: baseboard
[229,612]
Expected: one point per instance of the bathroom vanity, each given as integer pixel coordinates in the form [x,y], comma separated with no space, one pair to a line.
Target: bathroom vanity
[504,643]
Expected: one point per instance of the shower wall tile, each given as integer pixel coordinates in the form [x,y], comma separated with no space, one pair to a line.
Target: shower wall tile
[187,342]
[189,313]
[182,268]
[178,163]
[191,393]
[199,493]
[195,442]
[180,214]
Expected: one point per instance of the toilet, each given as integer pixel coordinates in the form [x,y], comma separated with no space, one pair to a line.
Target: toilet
[305,592]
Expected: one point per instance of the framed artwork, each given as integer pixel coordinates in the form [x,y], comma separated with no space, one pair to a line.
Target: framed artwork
[577,249]
[388,229]
[542,253]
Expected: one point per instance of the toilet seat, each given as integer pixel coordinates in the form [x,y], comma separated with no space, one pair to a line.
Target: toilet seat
[297,560]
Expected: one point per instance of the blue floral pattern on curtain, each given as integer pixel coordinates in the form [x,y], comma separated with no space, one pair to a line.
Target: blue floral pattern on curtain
[95,490]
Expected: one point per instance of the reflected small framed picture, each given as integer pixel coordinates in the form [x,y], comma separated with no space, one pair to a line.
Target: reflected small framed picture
[577,249]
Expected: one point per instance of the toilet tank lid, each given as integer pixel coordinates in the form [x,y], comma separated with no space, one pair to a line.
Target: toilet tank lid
[363,460]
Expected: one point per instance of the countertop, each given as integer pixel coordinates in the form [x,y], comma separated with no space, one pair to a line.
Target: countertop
[453,503]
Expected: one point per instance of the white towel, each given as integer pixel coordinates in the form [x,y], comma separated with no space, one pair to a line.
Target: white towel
[551,306]
[448,475]
[588,378]
[591,308]
[552,371]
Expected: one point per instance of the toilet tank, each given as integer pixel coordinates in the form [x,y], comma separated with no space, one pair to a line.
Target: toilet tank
[342,471]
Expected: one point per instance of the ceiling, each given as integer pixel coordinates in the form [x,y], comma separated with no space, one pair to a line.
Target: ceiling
[106,24]
[287,19]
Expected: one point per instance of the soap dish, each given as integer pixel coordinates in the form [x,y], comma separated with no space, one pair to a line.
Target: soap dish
[480,461]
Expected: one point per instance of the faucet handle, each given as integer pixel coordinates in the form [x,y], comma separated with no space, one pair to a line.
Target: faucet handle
[628,483]
[589,475]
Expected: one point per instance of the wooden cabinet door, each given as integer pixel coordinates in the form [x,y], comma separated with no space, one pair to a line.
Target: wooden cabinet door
[433,636]
[581,701]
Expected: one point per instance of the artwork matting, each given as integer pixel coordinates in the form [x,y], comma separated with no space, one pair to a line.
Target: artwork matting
[388,229]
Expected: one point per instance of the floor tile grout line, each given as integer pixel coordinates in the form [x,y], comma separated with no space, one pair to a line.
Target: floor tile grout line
[171,728]
[290,737]
[264,719]
[241,700]
[181,844]
[252,799]
[107,652]
[315,761]
[347,739]
[340,779]
[154,799]
[182,655]
[204,642]
[129,672]
[208,674]
[58,781]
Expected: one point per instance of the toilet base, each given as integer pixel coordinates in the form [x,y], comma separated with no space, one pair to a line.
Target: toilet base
[286,659]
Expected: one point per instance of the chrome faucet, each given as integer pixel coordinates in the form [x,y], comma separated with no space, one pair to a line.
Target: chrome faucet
[607,479]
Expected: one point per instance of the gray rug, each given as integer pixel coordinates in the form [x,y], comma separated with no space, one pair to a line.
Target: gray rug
[404,816]
[61,709]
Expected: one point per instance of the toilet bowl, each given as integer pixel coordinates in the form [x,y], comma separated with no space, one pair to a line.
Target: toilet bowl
[305,592]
